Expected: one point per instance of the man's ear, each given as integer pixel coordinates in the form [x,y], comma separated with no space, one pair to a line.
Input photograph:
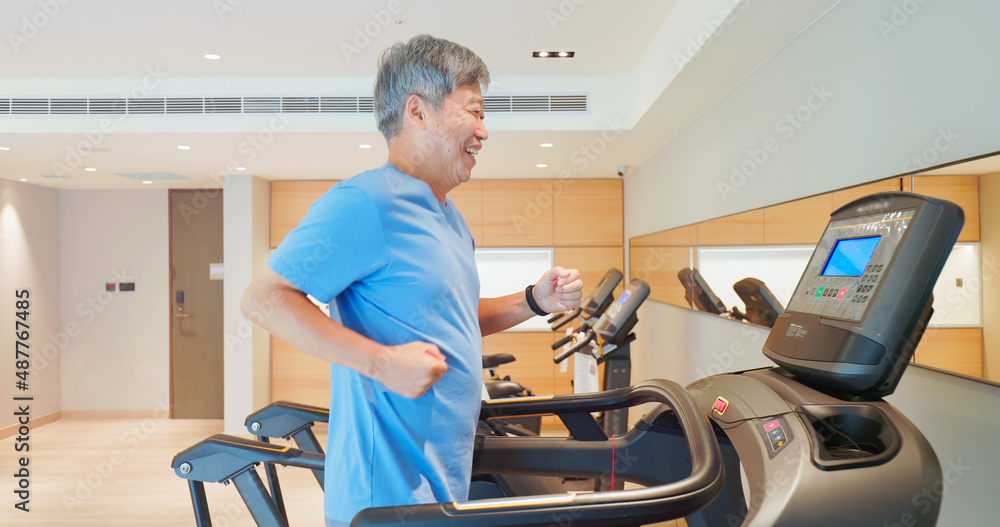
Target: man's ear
[415,111]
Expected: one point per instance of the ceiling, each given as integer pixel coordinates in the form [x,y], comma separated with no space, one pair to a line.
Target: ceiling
[322,47]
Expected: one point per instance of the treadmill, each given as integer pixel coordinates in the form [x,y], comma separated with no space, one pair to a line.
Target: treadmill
[817,443]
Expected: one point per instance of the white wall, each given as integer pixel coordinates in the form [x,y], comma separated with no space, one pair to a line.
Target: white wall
[885,86]
[117,355]
[247,227]
[875,105]
[29,259]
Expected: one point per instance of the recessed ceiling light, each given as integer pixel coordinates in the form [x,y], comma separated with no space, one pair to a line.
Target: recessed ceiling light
[364,146]
[184,147]
[241,168]
[546,145]
[541,165]
[89,169]
[553,54]
[212,56]
[147,182]
[4,148]
[24,179]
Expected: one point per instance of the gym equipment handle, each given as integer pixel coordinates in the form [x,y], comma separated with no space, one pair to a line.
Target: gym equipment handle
[623,507]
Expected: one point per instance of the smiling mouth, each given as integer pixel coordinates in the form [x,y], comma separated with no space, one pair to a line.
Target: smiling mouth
[472,151]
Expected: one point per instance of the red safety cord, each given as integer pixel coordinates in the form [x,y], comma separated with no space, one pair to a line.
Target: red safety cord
[612,462]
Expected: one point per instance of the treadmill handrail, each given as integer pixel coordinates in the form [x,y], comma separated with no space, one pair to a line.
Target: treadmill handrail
[569,317]
[588,336]
[657,503]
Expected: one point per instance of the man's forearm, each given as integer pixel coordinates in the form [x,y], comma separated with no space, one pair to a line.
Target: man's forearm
[498,314]
[290,316]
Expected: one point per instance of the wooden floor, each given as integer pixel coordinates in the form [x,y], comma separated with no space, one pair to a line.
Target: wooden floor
[116,472]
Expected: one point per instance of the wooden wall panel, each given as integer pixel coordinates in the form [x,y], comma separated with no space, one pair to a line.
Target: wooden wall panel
[961,190]
[843,197]
[533,350]
[798,222]
[290,200]
[588,212]
[468,198]
[955,349]
[658,266]
[745,228]
[681,236]
[297,376]
[593,263]
[517,213]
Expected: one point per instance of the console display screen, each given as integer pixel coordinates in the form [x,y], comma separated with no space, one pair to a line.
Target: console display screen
[850,257]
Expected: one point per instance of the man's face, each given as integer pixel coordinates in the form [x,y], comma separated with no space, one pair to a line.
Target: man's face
[456,134]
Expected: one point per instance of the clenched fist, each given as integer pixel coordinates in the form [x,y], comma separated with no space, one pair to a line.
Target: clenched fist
[409,369]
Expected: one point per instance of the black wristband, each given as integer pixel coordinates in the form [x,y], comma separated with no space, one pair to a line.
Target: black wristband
[531,302]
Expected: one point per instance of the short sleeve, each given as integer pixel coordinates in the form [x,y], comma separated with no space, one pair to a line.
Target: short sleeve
[339,242]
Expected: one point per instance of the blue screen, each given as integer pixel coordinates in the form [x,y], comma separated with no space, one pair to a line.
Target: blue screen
[850,257]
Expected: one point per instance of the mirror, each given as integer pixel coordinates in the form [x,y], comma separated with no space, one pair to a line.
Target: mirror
[696,266]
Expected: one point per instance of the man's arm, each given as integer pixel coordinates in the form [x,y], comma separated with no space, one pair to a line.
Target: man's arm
[558,290]
[283,310]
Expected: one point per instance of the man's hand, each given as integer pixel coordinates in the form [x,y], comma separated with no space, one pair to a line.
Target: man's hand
[409,369]
[559,290]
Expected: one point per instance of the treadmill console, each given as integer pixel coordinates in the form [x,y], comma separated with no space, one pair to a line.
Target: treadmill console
[601,297]
[698,294]
[762,306]
[865,296]
[620,318]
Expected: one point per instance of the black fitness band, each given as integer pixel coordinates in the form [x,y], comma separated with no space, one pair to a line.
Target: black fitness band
[531,302]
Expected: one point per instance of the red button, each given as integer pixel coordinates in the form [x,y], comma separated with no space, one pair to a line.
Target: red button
[770,426]
[842,293]
[720,405]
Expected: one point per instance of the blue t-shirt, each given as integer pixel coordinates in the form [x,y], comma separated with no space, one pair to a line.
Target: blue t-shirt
[399,267]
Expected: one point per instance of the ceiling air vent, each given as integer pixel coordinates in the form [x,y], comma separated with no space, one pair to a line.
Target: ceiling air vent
[108,106]
[67,106]
[146,106]
[29,106]
[299,104]
[536,103]
[262,105]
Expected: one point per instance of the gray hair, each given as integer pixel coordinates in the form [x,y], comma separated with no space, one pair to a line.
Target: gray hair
[426,66]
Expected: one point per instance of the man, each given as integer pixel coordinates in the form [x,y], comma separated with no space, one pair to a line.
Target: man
[395,258]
